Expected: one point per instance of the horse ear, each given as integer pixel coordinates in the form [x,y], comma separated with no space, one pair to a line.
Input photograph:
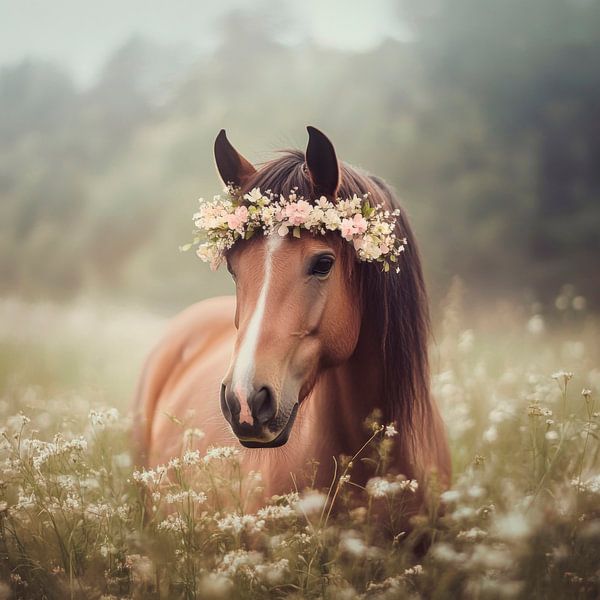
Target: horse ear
[232,166]
[322,163]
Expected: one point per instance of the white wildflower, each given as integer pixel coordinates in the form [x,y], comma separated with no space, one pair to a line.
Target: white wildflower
[100,419]
[378,487]
[173,524]
[390,430]
[235,524]
[185,496]
[310,503]
[220,453]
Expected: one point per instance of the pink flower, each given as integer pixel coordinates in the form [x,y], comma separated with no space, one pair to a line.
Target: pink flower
[360,224]
[347,229]
[238,218]
[298,212]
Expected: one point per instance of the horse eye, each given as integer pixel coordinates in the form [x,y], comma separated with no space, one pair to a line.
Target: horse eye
[322,266]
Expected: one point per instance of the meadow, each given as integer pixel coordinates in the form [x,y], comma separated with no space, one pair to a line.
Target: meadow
[518,387]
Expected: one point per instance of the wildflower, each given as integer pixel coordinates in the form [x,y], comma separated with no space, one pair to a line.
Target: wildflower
[173,524]
[472,535]
[97,512]
[390,430]
[100,419]
[391,585]
[535,410]
[379,487]
[185,496]
[191,458]
[189,435]
[416,570]
[240,562]
[563,376]
[220,453]
[150,477]
[352,544]
[275,512]
[586,393]
[235,523]
[273,573]
[311,502]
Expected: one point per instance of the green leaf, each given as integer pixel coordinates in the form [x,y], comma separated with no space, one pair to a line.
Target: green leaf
[249,233]
[185,247]
[296,232]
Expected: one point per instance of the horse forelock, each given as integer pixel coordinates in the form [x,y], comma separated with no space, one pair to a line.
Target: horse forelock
[395,304]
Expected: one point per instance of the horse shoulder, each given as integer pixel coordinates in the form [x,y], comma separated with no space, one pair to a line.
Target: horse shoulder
[189,334]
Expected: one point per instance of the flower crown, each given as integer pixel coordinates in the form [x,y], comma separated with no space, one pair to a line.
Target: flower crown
[220,223]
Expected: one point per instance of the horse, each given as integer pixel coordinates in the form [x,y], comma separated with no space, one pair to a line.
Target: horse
[313,342]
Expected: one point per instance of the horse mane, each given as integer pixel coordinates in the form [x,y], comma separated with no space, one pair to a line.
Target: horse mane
[396,303]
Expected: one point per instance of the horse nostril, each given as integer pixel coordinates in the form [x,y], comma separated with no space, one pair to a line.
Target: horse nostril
[229,403]
[263,406]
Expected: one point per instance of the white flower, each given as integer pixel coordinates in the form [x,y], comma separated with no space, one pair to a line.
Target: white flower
[416,570]
[194,433]
[563,376]
[240,562]
[150,477]
[220,453]
[100,419]
[353,545]
[234,523]
[390,430]
[254,195]
[274,512]
[378,487]
[185,496]
[173,524]
[310,503]
[273,573]
[191,458]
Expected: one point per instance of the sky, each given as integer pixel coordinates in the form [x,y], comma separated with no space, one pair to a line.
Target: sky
[81,35]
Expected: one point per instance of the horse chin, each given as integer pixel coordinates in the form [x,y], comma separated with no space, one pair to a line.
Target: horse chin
[281,438]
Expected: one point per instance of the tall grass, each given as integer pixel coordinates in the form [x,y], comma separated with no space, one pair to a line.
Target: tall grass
[78,520]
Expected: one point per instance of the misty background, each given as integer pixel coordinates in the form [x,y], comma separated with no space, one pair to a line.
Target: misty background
[485,117]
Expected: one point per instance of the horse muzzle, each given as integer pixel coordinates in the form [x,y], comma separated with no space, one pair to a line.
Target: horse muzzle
[259,424]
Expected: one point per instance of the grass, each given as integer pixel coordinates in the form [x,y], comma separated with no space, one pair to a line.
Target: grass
[522,519]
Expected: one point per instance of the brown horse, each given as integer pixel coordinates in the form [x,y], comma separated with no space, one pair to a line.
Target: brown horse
[311,345]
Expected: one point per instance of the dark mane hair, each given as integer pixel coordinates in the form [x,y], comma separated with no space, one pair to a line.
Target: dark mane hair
[396,303]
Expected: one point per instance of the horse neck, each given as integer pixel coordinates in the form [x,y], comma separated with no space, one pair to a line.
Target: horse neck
[349,393]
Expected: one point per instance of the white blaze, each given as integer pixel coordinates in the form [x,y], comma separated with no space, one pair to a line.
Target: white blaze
[243,370]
